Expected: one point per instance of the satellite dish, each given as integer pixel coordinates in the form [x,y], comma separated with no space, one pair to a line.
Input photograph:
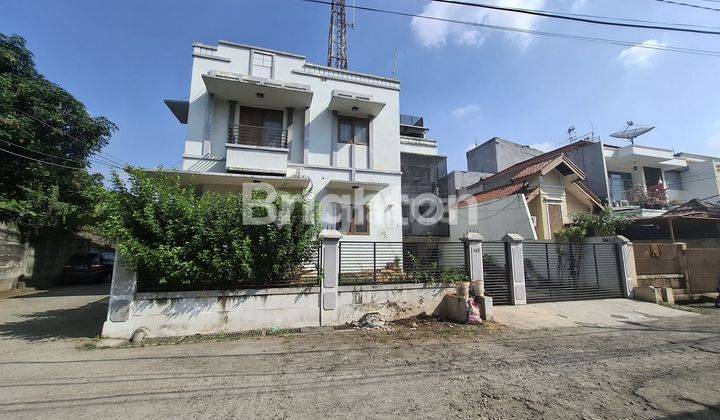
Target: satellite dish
[632,131]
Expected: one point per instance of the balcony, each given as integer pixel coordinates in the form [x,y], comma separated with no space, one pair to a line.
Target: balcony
[250,135]
[257,150]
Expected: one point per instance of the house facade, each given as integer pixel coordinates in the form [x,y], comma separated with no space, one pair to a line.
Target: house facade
[256,115]
[534,198]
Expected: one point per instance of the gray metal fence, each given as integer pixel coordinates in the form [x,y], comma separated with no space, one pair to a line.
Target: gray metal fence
[399,262]
[560,271]
[495,272]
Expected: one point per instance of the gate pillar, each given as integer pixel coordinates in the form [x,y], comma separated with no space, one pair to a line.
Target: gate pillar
[330,275]
[516,266]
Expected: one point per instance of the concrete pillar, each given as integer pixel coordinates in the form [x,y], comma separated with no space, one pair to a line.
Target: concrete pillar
[473,249]
[330,269]
[122,295]
[209,120]
[626,262]
[516,264]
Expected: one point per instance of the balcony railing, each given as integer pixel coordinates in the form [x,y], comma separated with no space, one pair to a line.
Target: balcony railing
[251,135]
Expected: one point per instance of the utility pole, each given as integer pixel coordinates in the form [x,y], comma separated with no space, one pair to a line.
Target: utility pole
[337,37]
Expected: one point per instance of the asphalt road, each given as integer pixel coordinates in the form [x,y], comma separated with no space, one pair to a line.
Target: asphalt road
[654,369]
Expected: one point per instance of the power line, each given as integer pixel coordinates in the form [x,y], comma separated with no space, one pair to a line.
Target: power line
[709,53]
[60,157]
[696,6]
[42,161]
[543,13]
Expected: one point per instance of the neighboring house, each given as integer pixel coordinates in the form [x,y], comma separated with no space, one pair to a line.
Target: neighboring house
[422,169]
[618,174]
[534,198]
[256,115]
[498,154]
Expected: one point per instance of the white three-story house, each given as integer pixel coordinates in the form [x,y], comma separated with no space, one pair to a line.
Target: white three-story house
[259,115]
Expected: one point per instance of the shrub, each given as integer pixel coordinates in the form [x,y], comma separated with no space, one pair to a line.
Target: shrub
[179,239]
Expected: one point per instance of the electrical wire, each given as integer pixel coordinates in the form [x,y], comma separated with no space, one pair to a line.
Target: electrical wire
[59,157]
[709,53]
[543,13]
[696,6]
[42,161]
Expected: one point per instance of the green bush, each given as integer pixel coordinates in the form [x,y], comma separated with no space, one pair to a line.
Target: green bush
[179,239]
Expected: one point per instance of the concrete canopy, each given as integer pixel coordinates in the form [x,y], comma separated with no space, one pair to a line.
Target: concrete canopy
[261,92]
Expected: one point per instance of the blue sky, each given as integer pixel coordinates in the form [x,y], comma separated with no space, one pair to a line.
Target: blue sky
[123,58]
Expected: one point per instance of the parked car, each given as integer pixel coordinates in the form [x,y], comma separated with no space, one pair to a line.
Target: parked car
[88,268]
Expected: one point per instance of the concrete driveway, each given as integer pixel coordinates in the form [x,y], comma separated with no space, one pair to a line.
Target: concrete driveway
[585,313]
[56,317]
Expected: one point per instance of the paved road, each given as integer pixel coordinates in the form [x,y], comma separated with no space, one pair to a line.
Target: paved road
[660,368]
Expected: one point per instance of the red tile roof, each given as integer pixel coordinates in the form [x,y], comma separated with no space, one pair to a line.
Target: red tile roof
[536,164]
[495,194]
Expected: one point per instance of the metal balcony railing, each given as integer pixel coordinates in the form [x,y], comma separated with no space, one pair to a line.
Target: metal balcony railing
[257,136]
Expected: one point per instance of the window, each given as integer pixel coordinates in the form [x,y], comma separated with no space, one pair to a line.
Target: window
[262,65]
[620,185]
[352,130]
[673,179]
[352,220]
[653,176]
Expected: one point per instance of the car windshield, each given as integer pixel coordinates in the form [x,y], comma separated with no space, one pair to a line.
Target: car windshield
[77,259]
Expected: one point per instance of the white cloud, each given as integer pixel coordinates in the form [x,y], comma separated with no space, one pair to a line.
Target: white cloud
[434,33]
[578,5]
[545,146]
[465,110]
[640,55]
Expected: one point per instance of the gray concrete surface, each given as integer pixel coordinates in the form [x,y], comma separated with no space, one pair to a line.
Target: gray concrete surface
[650,368]
[587,313]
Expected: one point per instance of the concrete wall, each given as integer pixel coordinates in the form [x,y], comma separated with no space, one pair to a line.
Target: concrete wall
[497,154]
[698,181]
[493,219]
[38,262]
[12,252]
[186,313]
[591,161]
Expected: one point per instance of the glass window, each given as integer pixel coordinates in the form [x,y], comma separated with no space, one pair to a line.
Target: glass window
[345,130]
[262,65]
[620,184]
[352,220]
[352,130]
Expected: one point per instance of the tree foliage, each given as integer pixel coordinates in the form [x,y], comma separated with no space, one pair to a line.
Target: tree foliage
[604,223]
[42,121]
[178,239]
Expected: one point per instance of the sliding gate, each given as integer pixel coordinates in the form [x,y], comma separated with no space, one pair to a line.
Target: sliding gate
[559,271]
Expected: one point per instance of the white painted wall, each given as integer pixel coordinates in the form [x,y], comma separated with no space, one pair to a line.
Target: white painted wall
[701,180]
[493,219]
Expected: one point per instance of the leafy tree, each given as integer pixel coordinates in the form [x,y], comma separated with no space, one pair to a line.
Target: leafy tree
[178,239]
[50,187]
[604,223]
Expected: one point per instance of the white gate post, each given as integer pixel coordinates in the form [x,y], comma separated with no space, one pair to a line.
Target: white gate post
[330,272]
[517,267]
[626,260]
[122,295]
[473,244]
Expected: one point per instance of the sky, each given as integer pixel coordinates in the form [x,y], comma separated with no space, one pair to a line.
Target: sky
[122,58]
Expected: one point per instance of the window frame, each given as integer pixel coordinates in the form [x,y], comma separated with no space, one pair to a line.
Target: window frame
[355,122]
[353,225]
[263,57]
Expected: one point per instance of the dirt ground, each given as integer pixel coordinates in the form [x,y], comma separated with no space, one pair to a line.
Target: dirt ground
[655,369]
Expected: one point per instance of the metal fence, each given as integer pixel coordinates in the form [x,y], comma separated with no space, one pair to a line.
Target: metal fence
[560,272]
[401,262]
[496,272]
[257,136]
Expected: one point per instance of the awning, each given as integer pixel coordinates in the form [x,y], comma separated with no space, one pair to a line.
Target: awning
[179,108]
[235,180]
[346,186]
[349,103]
[257,91]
